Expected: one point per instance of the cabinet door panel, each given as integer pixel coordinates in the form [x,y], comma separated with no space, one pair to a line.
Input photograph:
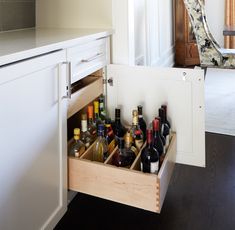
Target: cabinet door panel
[181,89]
[32,181]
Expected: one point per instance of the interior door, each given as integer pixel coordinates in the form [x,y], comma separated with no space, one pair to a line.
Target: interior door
[33,143]
[181,89]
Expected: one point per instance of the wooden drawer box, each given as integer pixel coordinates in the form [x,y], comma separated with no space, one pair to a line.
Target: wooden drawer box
[127,186]
[88,58]
[91,87]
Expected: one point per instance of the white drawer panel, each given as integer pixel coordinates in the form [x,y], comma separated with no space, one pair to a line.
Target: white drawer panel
[88,58]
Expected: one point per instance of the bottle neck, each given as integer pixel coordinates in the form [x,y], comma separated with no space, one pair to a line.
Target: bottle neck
[84,125]
[135,121]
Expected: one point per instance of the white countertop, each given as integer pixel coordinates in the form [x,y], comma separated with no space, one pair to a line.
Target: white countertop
[22,44]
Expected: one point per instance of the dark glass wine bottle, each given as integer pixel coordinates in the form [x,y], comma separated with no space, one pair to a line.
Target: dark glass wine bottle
[141,121]
[157,142]
[119,129]
[149,156]
[123,158]
[165,114]
[160,133]
[164,128]
[110,137]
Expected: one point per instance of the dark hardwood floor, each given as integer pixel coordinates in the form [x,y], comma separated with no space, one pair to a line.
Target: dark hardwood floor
[197,199]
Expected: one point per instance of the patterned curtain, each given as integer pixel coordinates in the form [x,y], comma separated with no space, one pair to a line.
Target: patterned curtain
[229,41]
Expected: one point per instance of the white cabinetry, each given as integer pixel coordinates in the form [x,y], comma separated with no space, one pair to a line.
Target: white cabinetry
[33,117]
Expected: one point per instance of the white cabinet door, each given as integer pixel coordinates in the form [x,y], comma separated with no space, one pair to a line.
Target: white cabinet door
[181,89]
[33,143]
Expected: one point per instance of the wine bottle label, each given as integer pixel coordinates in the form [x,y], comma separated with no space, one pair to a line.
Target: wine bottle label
[111,146]
[138,144]
[154,166]
[78,153]
[133,149]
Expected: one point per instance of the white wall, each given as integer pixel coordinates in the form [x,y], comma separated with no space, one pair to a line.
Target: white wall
[215,16]
[74,13]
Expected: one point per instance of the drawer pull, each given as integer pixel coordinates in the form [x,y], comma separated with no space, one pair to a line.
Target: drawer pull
[92,58]
[69,77]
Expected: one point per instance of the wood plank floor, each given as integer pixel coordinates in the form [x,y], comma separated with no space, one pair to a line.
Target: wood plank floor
[197,199]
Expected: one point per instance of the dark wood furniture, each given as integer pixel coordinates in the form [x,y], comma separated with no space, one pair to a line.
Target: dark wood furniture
[229,31]
[186,51]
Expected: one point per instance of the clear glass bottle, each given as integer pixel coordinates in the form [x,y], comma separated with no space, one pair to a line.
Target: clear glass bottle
[136,132]
[142,122]
[100,149]
[85,135]
[149,156]
[123,158]
[77,148]
[91,125]
[164,128]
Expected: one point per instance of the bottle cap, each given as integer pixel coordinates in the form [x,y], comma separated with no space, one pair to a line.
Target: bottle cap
[134,113]
[140,108]
[117,112]
[96,106]
[76,131]
[155,124]
[149,135]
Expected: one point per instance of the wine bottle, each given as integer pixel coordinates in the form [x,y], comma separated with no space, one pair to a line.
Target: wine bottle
[123,158]
[102,111]
[110,137]
[165,114]
[85,135]
[136,132]
[91,125]
[149,156]
[160,133]
[142,122]
[100,149]
[157,142]
[77,148]
[119,129]
[129,143]
[165,128]
[97,119]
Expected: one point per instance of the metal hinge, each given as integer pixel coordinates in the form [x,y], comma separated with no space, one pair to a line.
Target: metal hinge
[108,81]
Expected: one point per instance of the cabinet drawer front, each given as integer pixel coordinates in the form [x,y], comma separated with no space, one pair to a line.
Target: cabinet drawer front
[88,58]
[127,186]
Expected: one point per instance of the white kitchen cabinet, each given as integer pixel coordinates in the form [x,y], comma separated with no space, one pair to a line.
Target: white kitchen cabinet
[33,142]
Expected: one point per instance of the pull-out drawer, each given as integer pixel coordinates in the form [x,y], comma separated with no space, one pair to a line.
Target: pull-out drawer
[127,186]
[88,58]
[87,90]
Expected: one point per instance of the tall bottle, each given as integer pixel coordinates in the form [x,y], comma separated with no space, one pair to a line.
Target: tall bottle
[157,142]
[123,158]
[160,133]
[110,137]
[91,125]
[97,119]
[100,149]
[164,107]
[136,132]
[165,128]
[102,111]
[149,156]
[77,148]
[85,135]
[141,121]
[119,129]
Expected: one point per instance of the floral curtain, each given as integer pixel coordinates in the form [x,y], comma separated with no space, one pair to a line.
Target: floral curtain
[229,41]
